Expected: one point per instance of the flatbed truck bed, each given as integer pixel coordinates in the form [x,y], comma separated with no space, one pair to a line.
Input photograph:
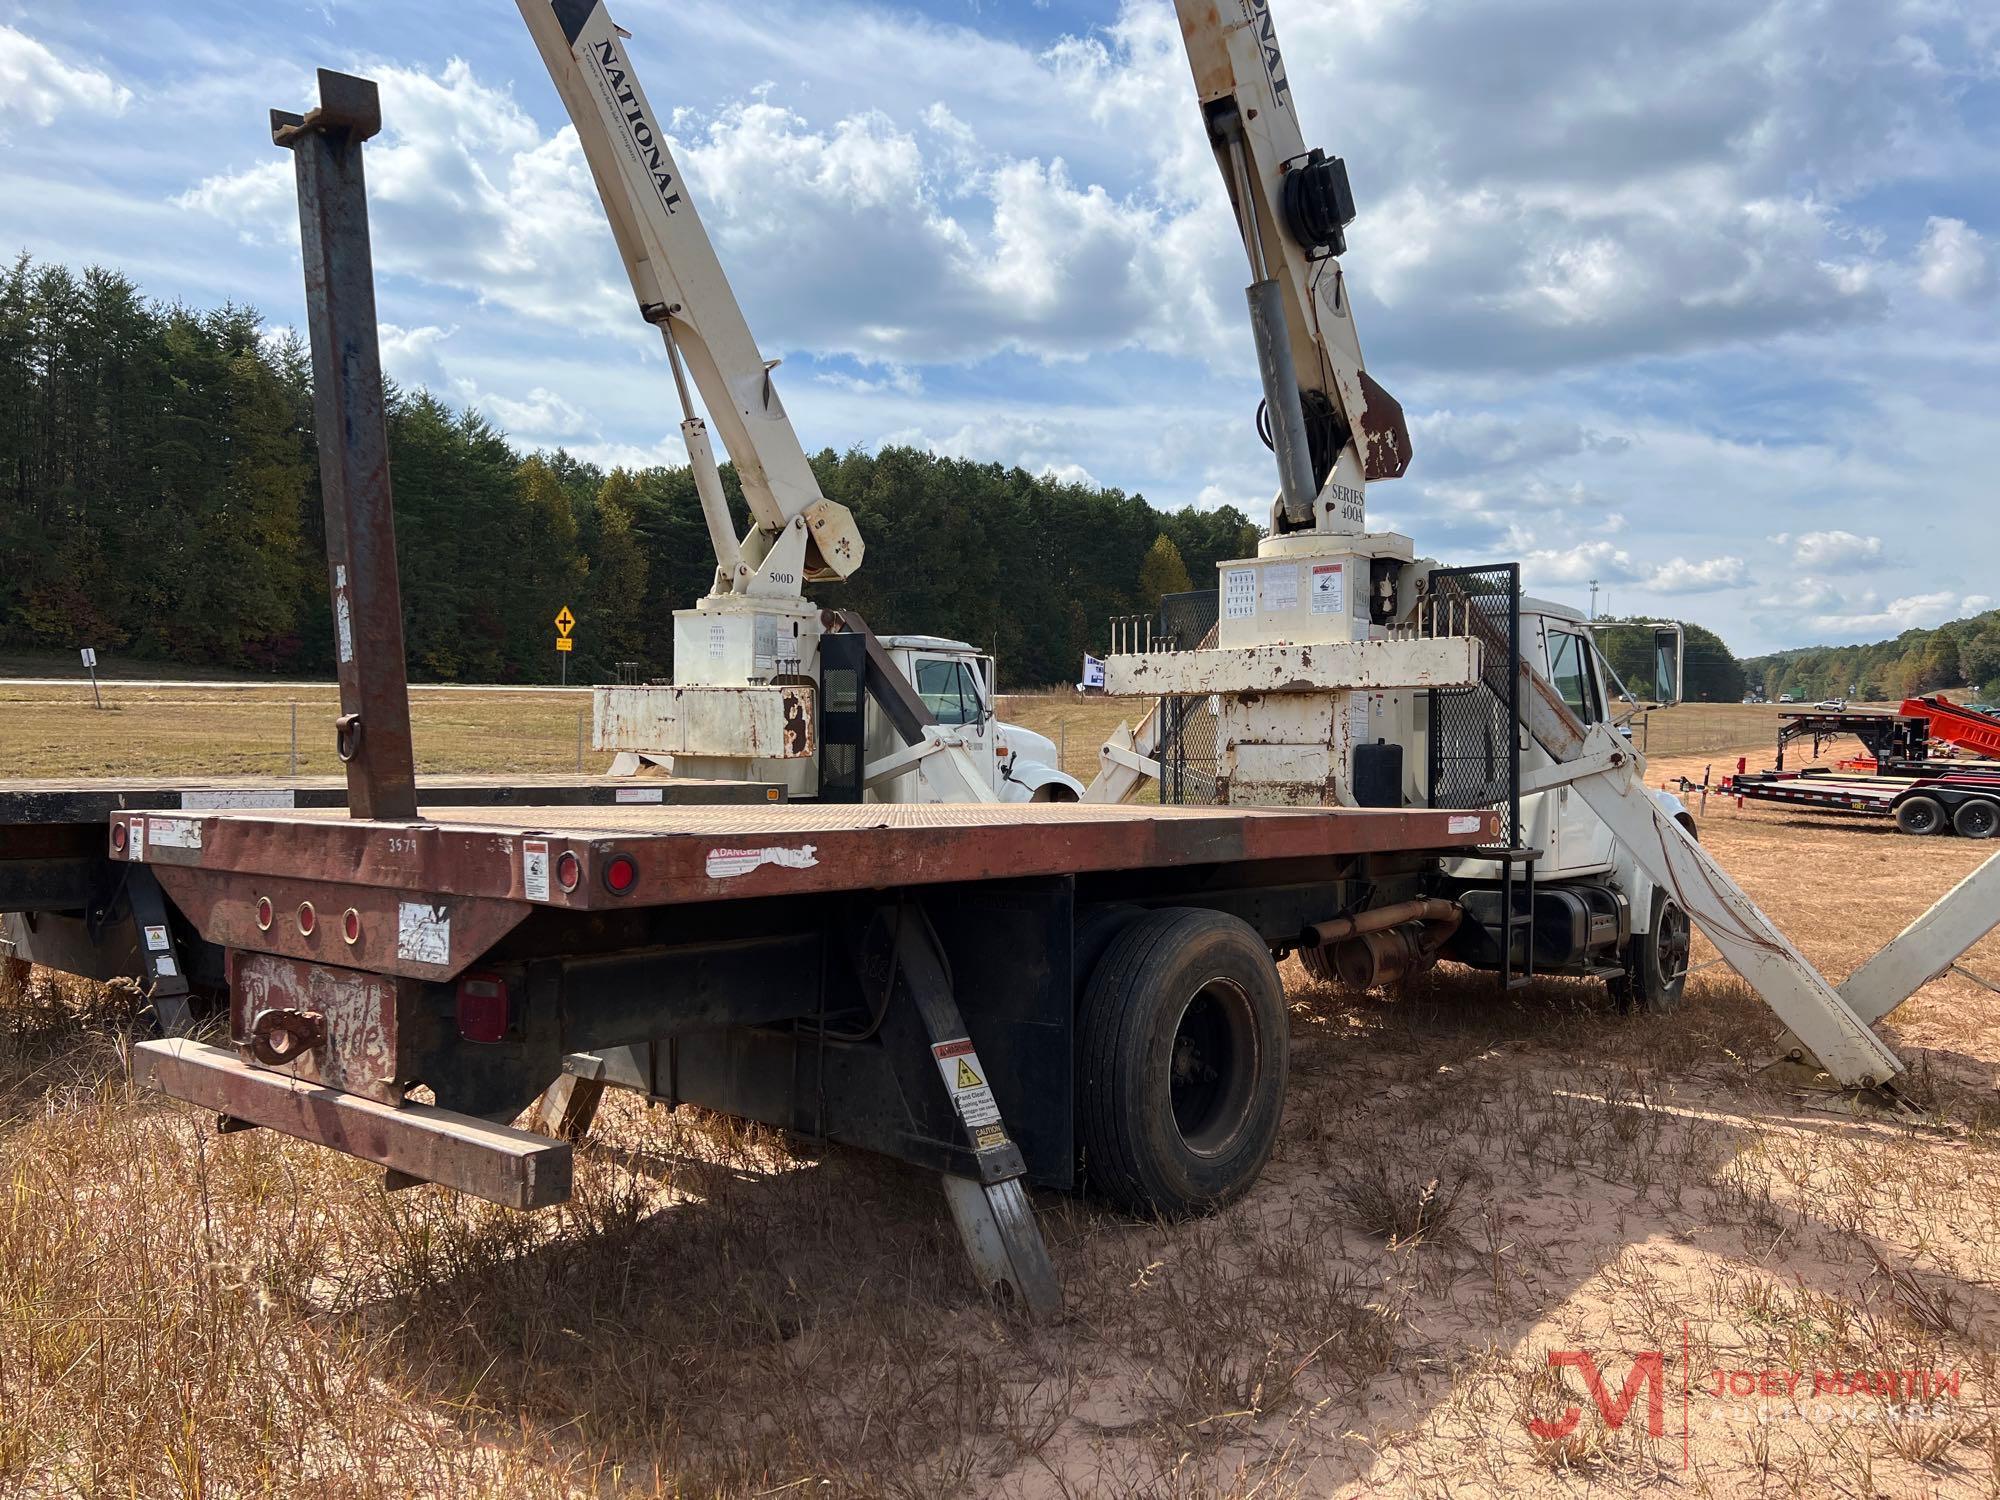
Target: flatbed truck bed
[936,983]
[62,903]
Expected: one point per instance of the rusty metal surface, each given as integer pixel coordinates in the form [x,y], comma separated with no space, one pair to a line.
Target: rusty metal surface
[1331,666]
[686,854]
[417,933]
[503,1165]
[1385,432]
[374,724]
[357,1049]
[753,721]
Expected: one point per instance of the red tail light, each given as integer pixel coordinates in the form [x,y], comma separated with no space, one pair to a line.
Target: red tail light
[482,1008]
[621,873]
[569,870]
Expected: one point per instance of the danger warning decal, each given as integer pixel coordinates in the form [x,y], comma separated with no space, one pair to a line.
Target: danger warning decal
[965,1085]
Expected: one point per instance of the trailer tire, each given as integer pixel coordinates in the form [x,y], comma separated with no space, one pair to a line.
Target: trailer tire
[1977,819]
[1183,1041]
[1656,969]
[1920,815]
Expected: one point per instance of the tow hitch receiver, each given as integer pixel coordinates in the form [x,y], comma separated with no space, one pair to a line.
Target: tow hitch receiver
[511,1167]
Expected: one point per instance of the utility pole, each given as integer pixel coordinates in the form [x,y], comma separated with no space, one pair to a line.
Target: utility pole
[1593,598]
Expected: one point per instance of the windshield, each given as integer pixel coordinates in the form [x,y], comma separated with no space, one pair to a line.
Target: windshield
[949,691]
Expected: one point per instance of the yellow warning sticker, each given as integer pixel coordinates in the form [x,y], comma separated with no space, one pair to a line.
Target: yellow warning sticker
[965,1082]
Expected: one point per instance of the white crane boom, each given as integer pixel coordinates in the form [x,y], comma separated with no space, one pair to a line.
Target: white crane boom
[798,534]
[1332,427]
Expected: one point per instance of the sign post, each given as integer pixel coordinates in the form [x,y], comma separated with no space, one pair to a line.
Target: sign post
[90,661]
[565,623]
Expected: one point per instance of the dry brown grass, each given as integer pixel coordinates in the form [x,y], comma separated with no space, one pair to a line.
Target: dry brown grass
[167,730]
[721,1311]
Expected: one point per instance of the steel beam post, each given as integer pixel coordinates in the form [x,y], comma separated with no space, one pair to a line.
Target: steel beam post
[373,732]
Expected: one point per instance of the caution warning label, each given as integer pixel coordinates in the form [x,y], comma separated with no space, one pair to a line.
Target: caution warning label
[965,1084]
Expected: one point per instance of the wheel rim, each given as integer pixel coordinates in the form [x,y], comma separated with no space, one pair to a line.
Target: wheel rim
[1213,1067]
[1980,818]
[1674,941]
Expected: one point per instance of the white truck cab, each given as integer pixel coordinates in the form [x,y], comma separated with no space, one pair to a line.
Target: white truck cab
[1593,902]
[956,683]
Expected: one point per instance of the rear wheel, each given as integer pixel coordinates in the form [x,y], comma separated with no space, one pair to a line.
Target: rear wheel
[1657,967]
[1977,819]
[1183,1046]
[1920,815]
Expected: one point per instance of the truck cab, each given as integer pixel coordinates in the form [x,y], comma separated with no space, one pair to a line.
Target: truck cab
[1596,911]
[957,684]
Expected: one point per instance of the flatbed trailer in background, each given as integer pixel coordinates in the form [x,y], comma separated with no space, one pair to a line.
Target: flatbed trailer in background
[1965,798]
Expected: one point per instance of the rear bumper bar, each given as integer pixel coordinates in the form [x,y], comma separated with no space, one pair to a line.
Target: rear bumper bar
[496,1162]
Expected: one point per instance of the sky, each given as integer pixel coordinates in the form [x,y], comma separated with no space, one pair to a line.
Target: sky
[1697,300]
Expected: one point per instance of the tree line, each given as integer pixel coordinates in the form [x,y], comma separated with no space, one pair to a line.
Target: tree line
[159,497]
[1959,654]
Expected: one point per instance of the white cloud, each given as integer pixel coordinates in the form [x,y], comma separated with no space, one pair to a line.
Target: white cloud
[1681,576]
[1912,611]
[1836,550]
[1953,262]
[39,85]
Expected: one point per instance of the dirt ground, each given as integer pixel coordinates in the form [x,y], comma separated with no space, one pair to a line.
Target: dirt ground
[1472,1195]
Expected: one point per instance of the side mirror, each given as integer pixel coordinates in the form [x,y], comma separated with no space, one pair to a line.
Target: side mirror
[1669,648]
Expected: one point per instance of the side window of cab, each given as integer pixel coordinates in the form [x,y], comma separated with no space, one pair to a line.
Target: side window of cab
[1571,675]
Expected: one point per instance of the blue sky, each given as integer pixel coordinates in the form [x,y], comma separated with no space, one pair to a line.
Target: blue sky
[1696,300]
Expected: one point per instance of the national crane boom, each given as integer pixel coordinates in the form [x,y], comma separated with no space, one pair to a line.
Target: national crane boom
[1332,427]
[799,534]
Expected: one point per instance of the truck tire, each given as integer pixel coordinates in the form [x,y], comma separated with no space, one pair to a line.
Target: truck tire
[1977,819]
[1183,1043]
[1656,969]
[1094,930]
[1920,815]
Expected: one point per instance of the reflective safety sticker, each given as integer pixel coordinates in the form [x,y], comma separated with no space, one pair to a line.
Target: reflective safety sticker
[164,967]
[640,794]
[156,939]
[423,933]
[1458,824]
[965,1083]
[175,833]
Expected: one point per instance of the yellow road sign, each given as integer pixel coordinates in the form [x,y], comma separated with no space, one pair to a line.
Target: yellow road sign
[565,621]
[564,643]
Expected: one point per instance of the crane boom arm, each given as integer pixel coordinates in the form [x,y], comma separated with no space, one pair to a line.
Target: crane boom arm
[1332,426]
[681,289]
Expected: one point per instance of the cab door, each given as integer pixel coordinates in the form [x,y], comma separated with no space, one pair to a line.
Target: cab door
[952,691]
[1582,840]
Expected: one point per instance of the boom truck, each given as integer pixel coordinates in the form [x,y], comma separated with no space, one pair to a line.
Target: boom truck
[1343,670]
[904,721]
[1003,994]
